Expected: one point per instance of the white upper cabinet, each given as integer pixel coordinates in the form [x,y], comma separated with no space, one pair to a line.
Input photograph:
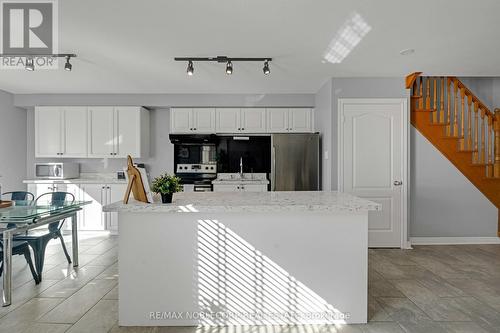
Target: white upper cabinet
[48,136]
[190,121]
[60,131]
[253,120]
[101,139]
[228,120]
[277,120]
[75,131]
[181,121]
[294,120]
[94,131]
[240,120]
[300,120]
[116,132]
[204,120]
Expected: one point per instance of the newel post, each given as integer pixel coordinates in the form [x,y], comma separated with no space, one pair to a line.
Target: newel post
[496,168]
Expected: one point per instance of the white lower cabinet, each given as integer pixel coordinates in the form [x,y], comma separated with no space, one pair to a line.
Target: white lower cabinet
[240,188]
[91,217]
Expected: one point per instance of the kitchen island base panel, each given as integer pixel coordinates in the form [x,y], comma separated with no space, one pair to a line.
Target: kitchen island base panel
[193,269]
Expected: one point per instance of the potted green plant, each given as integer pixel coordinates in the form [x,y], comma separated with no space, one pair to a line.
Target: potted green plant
[166,185]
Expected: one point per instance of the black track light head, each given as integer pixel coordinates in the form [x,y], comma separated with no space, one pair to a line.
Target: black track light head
[229,68]
[190,68]
[266,69]
[68,66]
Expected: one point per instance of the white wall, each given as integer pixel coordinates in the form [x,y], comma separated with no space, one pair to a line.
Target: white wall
[12,144]
[322,124]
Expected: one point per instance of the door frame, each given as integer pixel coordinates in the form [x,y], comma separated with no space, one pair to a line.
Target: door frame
[405,172]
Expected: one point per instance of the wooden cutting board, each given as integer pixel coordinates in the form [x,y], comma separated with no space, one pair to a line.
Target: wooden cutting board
[5,204]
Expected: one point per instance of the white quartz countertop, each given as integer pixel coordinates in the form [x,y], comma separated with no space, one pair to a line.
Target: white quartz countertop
[85,178]
[258,202]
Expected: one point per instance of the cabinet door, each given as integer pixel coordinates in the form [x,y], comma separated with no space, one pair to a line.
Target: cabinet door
[228,120]
[253,120]
[181,121]
[48,131]
[204,120]
[93,217]
[101,138]
[115,192]
[75,131]
[253,188]
[300,120]
[277,120]
[226,188]
[127,131]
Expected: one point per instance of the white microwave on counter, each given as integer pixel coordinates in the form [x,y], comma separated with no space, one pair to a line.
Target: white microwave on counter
[58,170]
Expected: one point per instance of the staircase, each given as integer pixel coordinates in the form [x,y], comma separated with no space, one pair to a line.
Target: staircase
[461,127]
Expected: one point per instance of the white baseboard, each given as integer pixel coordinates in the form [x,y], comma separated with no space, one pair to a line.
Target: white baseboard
[453,240]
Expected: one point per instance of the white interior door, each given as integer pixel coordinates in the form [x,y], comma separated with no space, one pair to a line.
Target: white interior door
[372,162]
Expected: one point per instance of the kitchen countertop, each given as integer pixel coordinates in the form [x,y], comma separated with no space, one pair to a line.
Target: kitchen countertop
[258,202]
[85,178]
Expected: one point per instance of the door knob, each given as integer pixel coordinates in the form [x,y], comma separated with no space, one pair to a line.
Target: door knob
[398,183]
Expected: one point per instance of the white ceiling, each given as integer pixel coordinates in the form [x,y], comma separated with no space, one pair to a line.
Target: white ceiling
[128,46]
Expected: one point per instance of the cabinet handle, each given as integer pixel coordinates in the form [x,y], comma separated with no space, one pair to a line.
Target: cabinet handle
[194,128]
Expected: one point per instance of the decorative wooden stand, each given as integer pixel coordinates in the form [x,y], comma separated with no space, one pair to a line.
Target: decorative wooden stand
[135,184]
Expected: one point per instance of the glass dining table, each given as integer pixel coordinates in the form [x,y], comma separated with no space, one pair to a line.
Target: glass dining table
[25,215]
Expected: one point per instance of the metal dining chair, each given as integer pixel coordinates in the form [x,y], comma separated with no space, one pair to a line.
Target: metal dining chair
[20,197]
[38,239]
[21,248]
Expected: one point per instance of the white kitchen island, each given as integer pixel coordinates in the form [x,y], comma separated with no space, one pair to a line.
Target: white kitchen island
[244,259]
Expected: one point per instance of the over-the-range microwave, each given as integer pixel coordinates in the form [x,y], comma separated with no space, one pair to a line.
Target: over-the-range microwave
[57,170]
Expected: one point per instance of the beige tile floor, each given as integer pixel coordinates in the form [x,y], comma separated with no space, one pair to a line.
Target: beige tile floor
[428,289]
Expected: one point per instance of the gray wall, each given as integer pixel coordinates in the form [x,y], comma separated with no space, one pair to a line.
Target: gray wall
[12,144]
[443,203]
[322,124]
[168,100]
[160,160]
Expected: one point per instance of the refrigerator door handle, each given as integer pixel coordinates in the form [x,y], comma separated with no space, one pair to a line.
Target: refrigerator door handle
[273,188]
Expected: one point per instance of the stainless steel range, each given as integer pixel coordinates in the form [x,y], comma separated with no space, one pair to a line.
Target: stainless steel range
[195,161]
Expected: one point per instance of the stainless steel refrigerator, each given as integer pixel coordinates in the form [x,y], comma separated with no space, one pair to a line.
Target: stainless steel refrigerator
[295,162]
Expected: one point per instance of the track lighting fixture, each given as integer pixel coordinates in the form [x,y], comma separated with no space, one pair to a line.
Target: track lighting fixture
[223,59]
[229,68]
[30,64]
[29,59]
[190,69]
[266,69]
[68,66]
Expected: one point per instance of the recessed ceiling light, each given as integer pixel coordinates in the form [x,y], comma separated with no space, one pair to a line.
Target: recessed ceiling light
[407,51]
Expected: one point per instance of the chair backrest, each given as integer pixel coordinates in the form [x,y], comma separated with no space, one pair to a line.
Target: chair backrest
[19,197]
[55,198]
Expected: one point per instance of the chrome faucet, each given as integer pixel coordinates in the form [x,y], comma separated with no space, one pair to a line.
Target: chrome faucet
[241,167]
